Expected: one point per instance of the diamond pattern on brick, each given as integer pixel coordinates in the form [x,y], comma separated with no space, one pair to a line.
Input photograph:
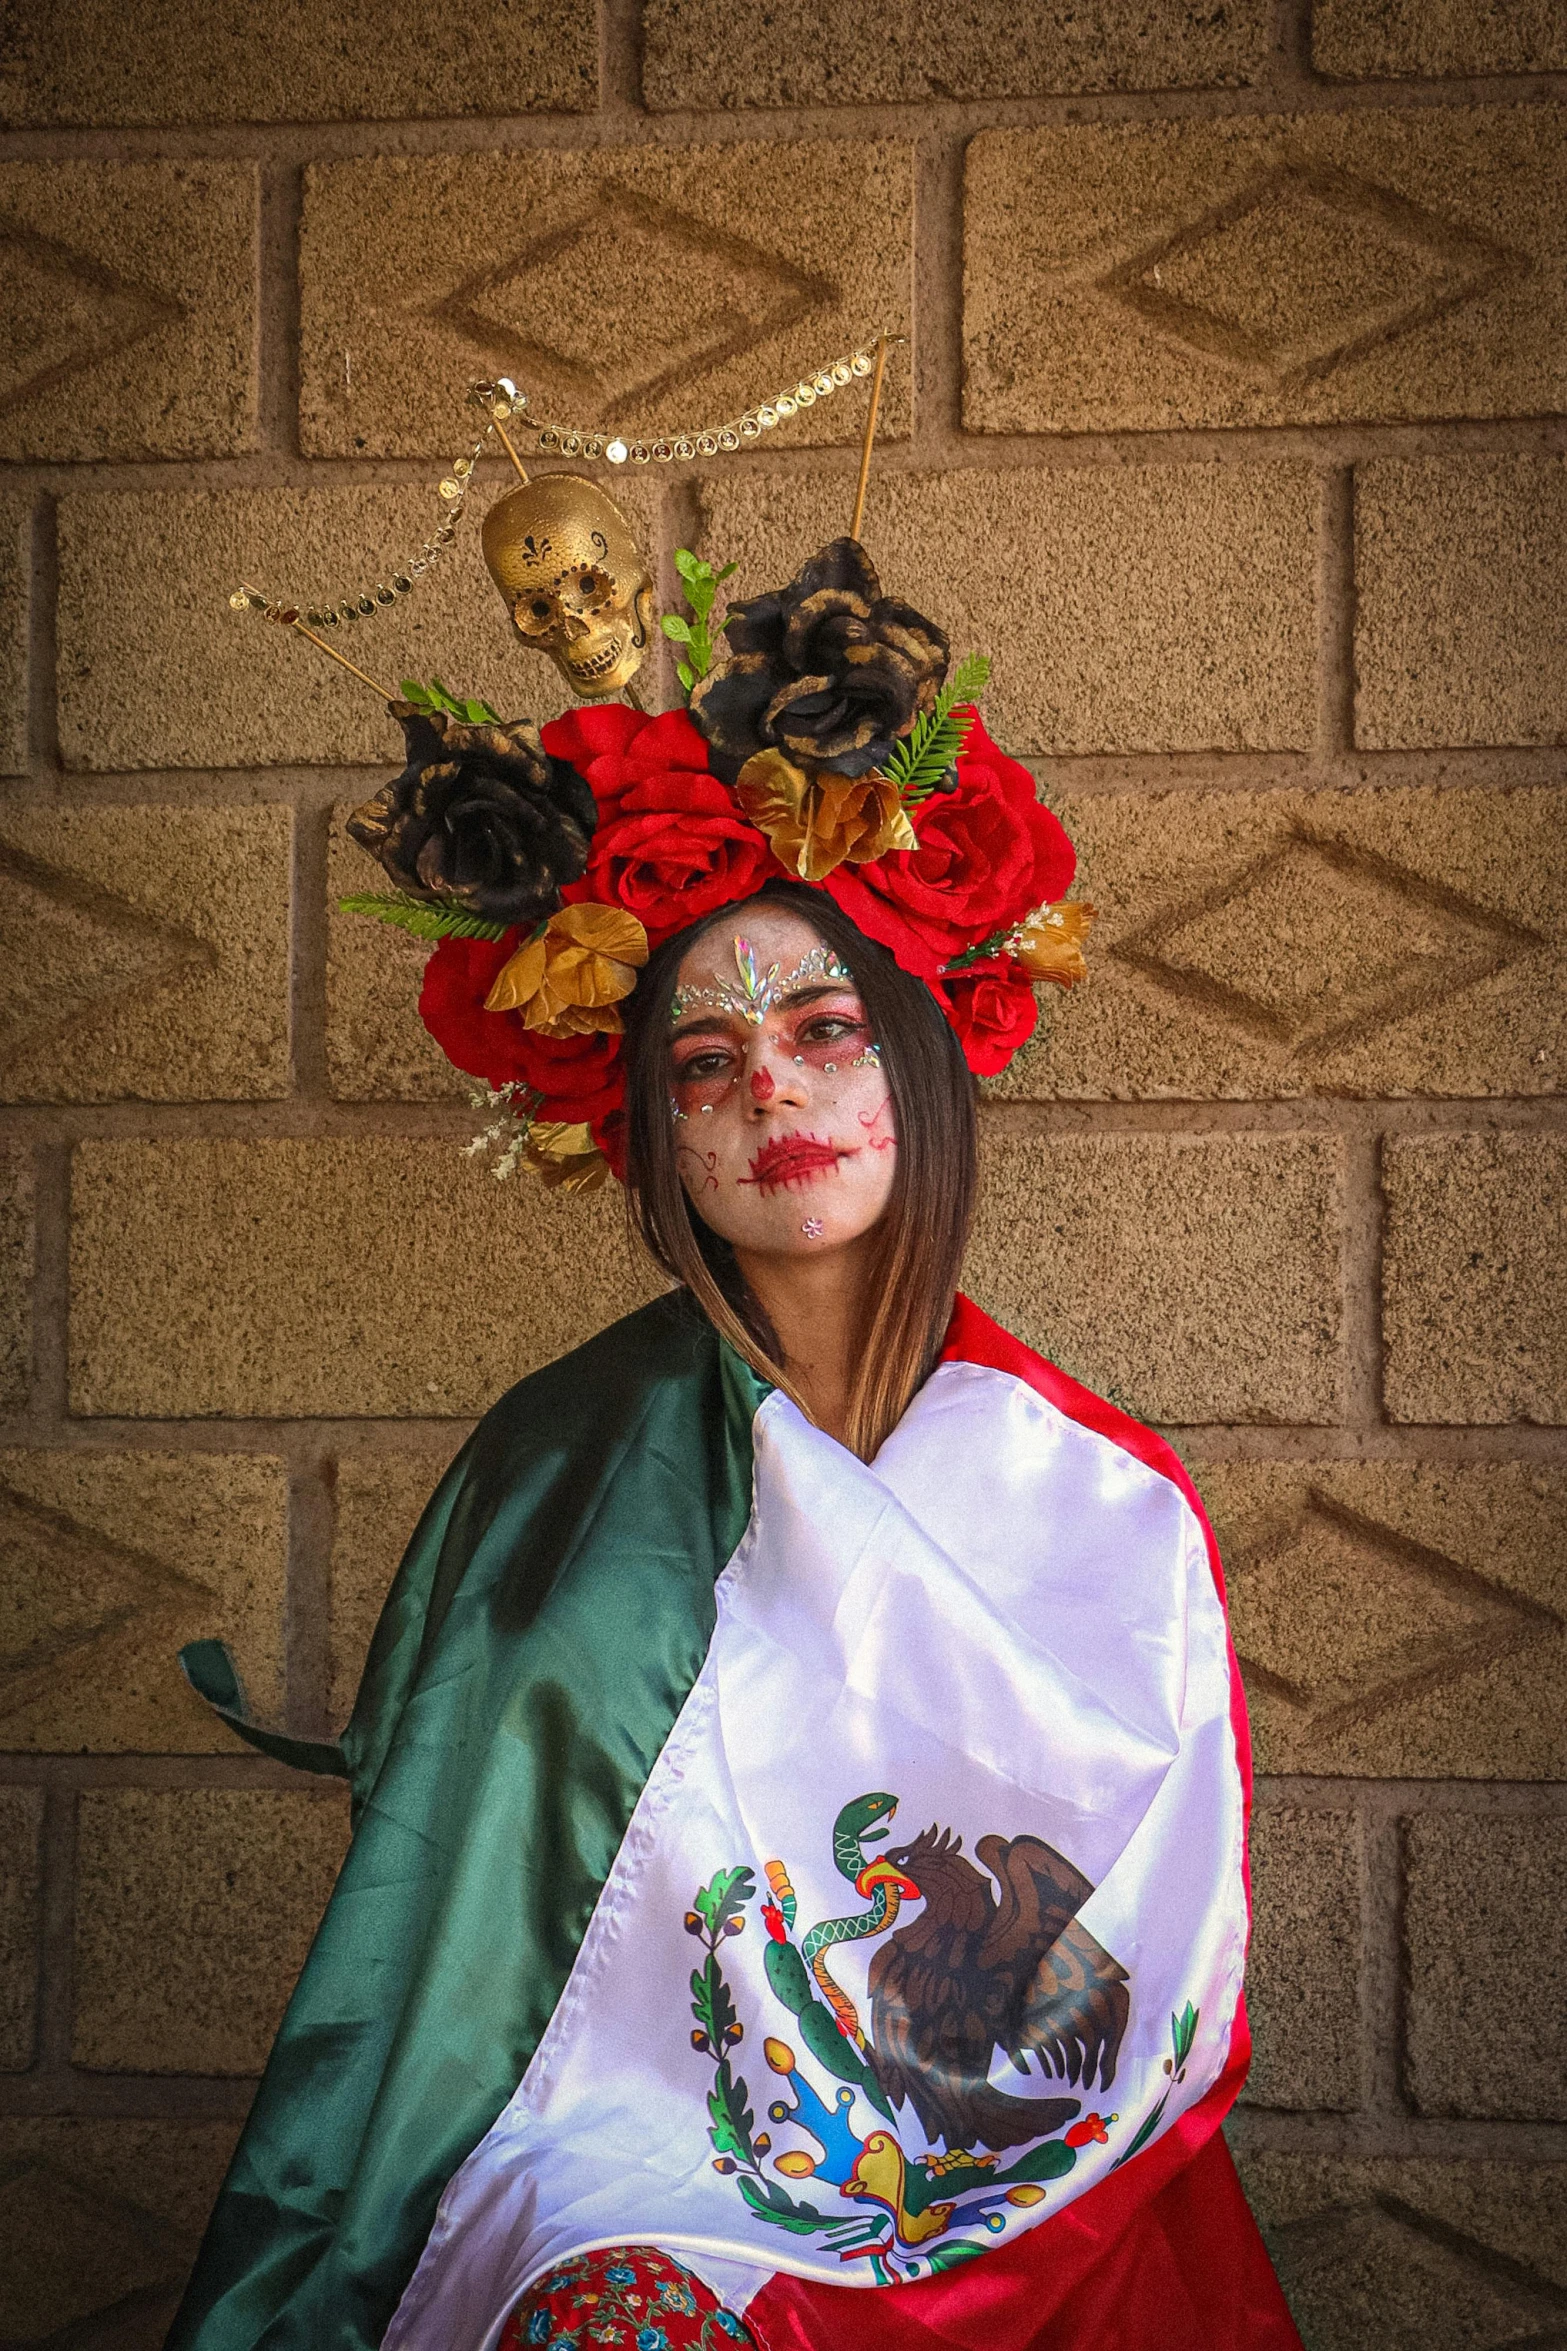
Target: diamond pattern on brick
[1383,2273]
[684,297]
[1381,1617]
[66,2252]
[1241,283]
[70,949]
[64,311]
[1317,944]
[67,1589]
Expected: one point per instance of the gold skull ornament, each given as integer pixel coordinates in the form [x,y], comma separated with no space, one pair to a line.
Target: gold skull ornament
[562,555]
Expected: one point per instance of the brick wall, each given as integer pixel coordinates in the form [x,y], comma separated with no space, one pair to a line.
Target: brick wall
[1233,429]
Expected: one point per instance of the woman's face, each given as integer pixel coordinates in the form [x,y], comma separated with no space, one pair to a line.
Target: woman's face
[783,1120]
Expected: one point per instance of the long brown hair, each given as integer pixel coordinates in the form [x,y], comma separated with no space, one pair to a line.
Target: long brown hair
[919,1240]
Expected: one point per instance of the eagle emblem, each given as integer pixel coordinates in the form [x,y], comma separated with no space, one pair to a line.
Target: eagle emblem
[977,1961]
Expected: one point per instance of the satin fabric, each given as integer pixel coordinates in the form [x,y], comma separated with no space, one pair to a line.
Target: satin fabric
[1181,2269]
[546,1626]
[1163,2256]
[1009,1623]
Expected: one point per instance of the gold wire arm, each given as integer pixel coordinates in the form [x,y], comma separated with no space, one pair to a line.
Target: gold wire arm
[506,444]
[870,435]
[343,661]
[333,654]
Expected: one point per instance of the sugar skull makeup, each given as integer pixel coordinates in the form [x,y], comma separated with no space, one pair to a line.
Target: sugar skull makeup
[787,1139]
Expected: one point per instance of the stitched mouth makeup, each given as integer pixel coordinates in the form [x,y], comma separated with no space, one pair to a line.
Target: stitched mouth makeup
[790,1160]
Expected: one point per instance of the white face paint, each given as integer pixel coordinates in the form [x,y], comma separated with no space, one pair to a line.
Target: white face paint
[786,1133]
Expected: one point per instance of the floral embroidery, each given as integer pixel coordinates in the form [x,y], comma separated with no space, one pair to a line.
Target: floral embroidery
[634,2295]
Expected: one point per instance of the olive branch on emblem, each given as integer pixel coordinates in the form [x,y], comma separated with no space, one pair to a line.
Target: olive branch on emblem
[717,1912]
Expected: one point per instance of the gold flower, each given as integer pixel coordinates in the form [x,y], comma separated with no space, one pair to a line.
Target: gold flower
[566,1157]
[568,978]
[1049,942]
[816,822]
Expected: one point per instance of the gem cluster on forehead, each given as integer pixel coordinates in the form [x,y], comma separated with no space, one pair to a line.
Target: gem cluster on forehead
[759,992]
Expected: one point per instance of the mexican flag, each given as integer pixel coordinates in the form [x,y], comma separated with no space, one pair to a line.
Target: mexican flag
[830,1873]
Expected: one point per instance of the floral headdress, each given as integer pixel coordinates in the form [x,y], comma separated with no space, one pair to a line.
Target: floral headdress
[833,749]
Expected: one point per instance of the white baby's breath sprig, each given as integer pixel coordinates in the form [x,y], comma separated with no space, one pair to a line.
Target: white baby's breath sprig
[508,1134]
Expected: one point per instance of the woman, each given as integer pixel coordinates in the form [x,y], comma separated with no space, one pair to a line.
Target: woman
[798,1893]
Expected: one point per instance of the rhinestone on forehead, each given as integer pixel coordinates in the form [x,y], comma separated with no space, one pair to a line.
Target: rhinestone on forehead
[759,991]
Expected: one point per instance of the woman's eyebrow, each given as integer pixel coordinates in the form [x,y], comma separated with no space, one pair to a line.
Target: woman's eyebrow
[817,988]
[707,1024]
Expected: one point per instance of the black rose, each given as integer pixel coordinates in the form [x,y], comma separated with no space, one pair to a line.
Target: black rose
[828,670]
[482,817]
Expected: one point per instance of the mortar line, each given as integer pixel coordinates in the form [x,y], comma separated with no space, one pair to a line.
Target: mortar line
[1393,1797]
[49,1395]
[312,1515]
[1296,77]
[1361,1274]
[43,615]
[1457,1446]
[621,107]
[1336,616]
[308,926]
[77,2092]
[330,140]
[277,308]
[1260,2129]
[936,297]
[1382,1926]
[1341,442]
[233,1767]
[57,1957]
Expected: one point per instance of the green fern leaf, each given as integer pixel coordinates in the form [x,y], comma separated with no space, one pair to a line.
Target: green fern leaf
[969,680]
[936,739]
[424,922]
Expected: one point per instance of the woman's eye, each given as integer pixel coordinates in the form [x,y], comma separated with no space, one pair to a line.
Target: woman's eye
[829,1028]
[704,1065]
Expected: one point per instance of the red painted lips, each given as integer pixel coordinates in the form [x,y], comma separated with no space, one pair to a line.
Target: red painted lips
[793,1159]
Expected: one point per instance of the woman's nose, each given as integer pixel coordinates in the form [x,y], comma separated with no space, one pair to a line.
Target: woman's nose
[772,1078]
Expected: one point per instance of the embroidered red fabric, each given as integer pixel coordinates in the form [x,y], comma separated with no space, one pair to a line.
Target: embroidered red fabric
[632,2295]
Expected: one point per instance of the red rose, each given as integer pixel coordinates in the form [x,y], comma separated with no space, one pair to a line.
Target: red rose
[609,1132]
[616,747]
[675,848]
[988,854]
[579,1077]
[992,1008]
[457,978]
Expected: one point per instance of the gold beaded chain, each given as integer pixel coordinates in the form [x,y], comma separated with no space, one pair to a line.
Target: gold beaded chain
[505,403]
[705,441]
[366,605]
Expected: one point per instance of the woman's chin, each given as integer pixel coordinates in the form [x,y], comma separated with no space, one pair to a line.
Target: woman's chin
[804,1224]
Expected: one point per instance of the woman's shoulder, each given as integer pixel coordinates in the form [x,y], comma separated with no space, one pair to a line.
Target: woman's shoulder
[974,1337]
[607,1379]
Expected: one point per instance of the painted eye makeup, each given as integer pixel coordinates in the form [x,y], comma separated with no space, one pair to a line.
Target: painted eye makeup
[703,1071]
[826,1036]
[830,1035]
